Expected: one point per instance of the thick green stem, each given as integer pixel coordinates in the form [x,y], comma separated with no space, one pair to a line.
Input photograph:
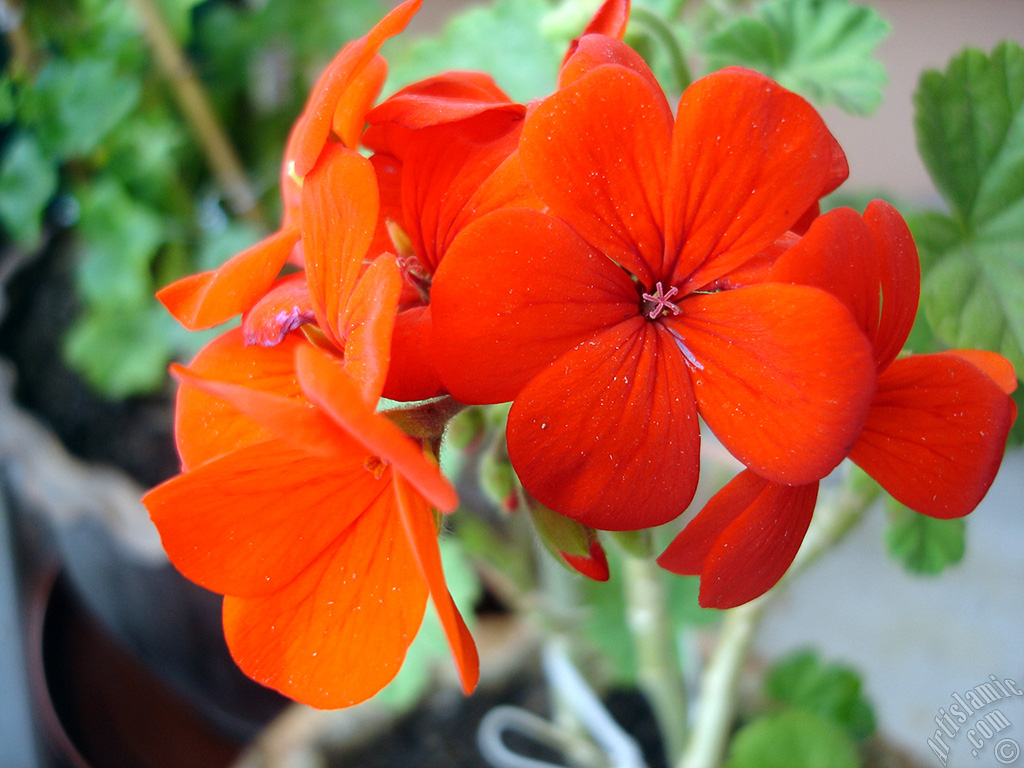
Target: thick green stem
[660,674]
[835,516]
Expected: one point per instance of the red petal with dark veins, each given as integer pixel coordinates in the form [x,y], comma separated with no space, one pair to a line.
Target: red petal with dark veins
[339,632]
[211,298]
[608,433]
[596,152]
[935,434]
[782,375]
[516,290]
[748,159]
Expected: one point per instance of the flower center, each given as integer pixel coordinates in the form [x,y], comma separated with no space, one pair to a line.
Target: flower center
[375,465]
[659,304]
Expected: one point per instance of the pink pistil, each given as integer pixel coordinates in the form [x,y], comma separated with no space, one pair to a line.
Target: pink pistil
[660,302]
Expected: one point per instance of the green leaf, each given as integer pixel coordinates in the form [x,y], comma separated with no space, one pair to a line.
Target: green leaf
[502,39]
[430,646]
[833,691]
[77,103]
[970,133]
[28,180]
[822,49]
[794,738]
[120,238]
[922,544]
[121,351]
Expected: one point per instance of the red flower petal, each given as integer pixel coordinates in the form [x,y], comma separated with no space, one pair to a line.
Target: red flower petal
[338,633]
[594,565]
[754,552]
[249,522]
[206,426]
[326,383]
[837,255]
[319,115]
[418,521]
[608,434]
[596,153]
[901,279]
[743,540]
[992,364]
[412,375]
[445,98]
[593,51]
[782,376]
[339,214]
[610,20]
[748,159]
[935,433]
[211,298]
[517,289]
[285,307]
[356,100]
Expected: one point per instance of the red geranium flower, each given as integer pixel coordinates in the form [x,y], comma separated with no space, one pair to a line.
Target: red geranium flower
[604,319]
[934,435]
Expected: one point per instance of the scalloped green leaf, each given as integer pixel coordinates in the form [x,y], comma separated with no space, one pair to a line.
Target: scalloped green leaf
[28,180]
[794,738]
[923,545]
[833,691]
[823,49]
[970,133]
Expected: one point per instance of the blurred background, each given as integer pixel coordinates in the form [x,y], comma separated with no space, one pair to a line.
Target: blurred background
[141,141]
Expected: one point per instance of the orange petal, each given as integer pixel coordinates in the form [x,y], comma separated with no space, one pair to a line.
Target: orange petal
[593,51]
[900,273]
[412,375]
[369,321]
[748,159]
[610,20]
[935,434]
[608,434]
[445,98]
[357,99]
[339,215]
[596,152]
[782,376]
[418,521]
[339,632]
[247,523]
[516,290]
[319,114]
[206,426]
[285,307]
[211,298]
[326,383]
[992,364]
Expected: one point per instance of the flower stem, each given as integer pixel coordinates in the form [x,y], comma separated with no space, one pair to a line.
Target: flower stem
[660,674]
[836,516]
[660,30]
[199,113]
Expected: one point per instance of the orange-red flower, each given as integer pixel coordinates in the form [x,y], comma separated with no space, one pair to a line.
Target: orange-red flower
[934,434]
[604,319]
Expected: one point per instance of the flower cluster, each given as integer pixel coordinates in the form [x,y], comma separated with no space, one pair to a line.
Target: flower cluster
[618,271]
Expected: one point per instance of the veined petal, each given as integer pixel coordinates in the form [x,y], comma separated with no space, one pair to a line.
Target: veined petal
[412,375]
[319,115]
[782,375]
[900,273]
[284,308]
[935,434]
[206,426]
[596,50]
[610,20]
[837,255]
[517,289]
[357,99]
[327,384]
[369,322]
[418,522]
[757,548]
[338,633]
[445,98]
[608,433]
[992,364]
[748,159]
[211,298]
[596,152]
[247,523]
[339,214]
